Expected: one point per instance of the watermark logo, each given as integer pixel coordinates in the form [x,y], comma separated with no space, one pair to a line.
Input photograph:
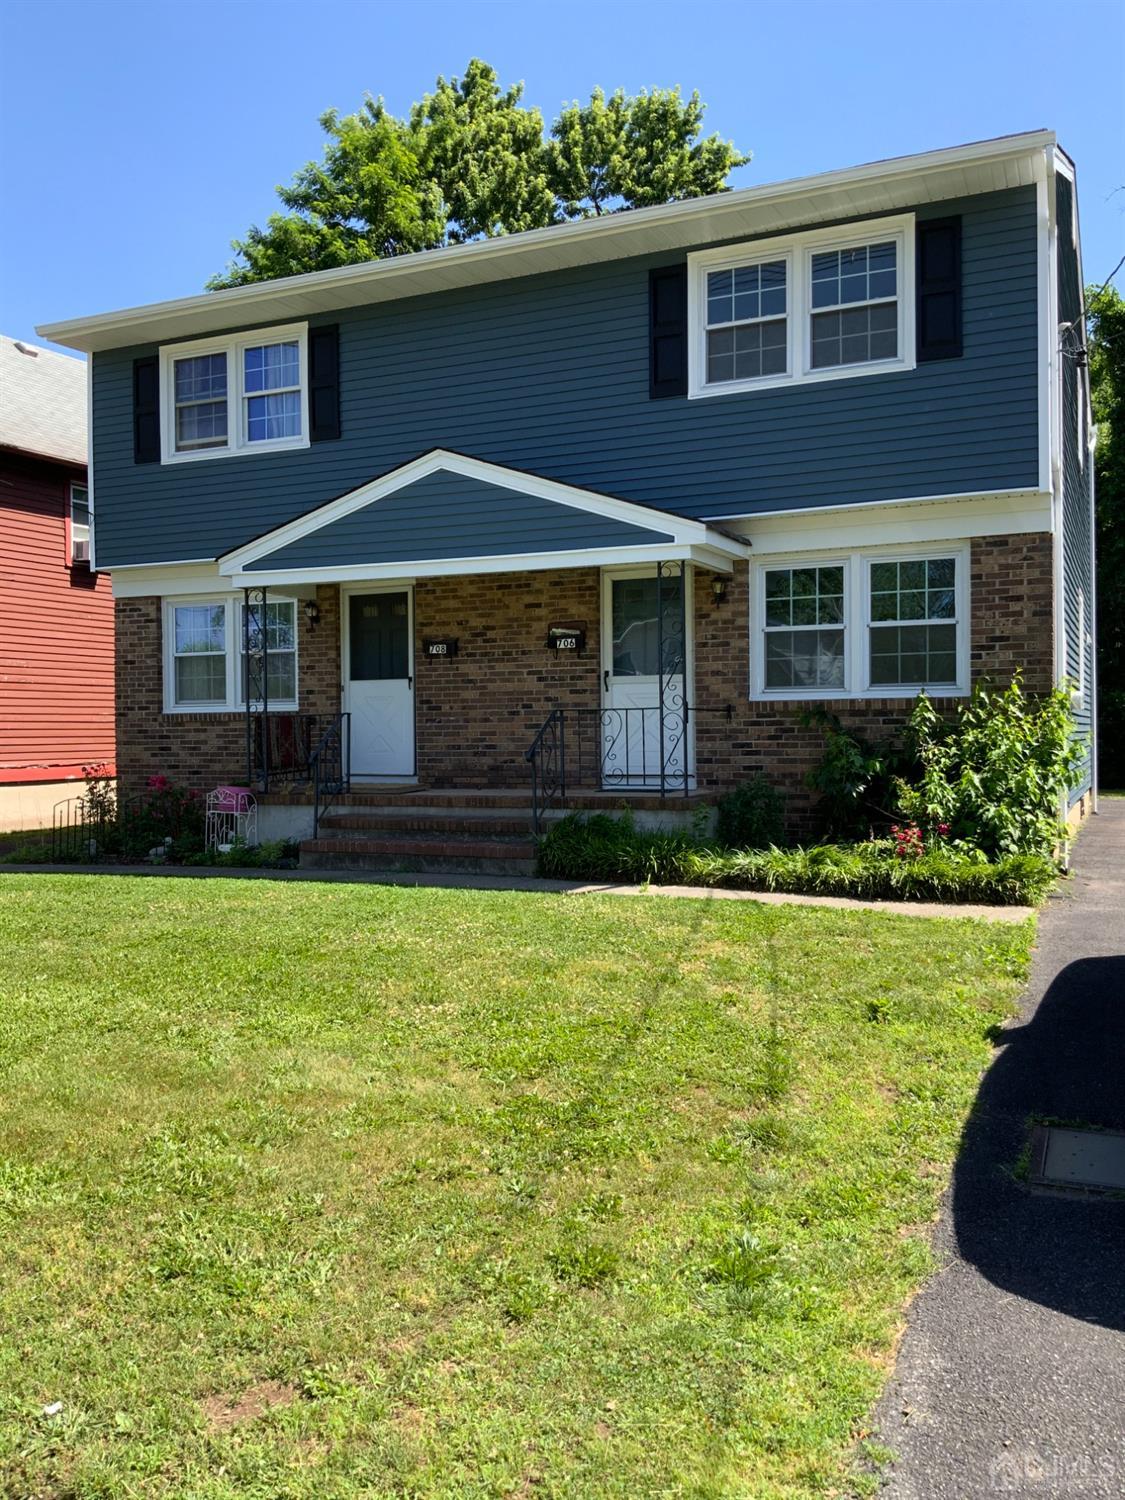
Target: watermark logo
[1026,1471]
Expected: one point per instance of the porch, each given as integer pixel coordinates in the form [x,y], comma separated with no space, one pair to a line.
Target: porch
[486,631]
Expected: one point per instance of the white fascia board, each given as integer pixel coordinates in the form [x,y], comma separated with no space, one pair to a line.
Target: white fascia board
[167,578]
[451,567]
[665,226]
[683,532]
[895,523]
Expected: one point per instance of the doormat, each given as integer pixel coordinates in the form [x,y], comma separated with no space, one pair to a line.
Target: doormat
[1062,1156]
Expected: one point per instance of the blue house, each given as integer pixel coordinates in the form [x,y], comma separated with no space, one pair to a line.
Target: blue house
[593,514]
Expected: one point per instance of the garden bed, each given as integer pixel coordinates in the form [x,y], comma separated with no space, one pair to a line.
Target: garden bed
[613,849]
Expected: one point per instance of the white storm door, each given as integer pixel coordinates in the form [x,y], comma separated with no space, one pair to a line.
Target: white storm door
[631,719]
[379,682]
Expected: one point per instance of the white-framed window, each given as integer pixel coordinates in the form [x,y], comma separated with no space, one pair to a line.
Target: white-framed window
[870,623]
[205,654]
[246,393]
[81,519]
[822,305]
[804,632]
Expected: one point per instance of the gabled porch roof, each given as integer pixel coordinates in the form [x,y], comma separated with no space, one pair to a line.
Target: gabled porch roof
[445,513]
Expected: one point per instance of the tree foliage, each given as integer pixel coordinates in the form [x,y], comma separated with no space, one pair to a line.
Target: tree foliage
[1106,342]
[471,161]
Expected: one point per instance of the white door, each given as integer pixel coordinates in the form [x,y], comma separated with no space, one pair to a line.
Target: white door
[379,682]
[631,708]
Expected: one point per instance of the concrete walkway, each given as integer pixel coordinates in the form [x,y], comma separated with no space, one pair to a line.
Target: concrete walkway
[530,883]
[1011,1374]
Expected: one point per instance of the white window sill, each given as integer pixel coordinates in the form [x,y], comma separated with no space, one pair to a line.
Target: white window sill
[807,377]
[288,445]
[842,695]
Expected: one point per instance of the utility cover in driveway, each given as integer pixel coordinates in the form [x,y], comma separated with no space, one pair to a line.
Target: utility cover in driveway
[1078,1158]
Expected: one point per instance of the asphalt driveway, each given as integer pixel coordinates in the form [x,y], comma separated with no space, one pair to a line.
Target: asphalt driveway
[1011,1375]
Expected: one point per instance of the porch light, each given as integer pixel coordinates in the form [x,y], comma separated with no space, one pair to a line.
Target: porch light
[718,588]
[312,613]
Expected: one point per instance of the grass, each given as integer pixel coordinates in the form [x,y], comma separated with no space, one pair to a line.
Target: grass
[336,1191]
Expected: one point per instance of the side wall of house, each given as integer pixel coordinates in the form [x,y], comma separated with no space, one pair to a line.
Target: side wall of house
[476,712]
[56,632]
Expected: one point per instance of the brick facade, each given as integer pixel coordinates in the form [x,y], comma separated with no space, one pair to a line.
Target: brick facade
[1011,626]
[477,712]
[203,750]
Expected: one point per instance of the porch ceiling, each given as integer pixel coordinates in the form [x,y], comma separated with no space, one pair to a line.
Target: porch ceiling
[446,514]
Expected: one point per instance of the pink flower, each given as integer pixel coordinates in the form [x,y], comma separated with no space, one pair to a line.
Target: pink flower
[159,784]
[943,828]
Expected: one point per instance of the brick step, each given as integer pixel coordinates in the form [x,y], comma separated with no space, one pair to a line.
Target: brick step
[435,854]
[514,799]
[481,822]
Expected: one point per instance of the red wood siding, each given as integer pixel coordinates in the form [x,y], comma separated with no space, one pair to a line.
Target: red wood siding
[56,632]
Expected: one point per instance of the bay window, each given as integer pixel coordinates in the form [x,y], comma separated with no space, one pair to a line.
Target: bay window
[868,624]
[240,394]
[205,659]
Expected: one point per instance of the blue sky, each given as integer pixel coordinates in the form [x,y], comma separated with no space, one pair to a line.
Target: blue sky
[138,136]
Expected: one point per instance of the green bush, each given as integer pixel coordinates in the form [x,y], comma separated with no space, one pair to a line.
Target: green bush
[751,816]
[856,778]
[994,778]
[607,848]
[612,849]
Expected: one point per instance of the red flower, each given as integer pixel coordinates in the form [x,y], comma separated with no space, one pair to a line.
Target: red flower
[159,784]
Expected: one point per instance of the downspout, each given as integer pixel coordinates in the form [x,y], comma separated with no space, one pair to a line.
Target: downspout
[1092,448]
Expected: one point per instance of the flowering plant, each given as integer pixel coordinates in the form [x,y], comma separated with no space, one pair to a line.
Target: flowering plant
[909,843]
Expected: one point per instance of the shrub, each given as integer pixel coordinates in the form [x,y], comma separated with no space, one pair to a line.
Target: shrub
[856,778]
[751,816]
[996,775]
[607,848]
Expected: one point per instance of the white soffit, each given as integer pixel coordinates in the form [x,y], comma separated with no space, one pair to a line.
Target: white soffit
[877,188]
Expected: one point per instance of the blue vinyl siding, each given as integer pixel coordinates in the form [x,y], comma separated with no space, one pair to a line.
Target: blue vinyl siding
[550,374]
[1077,560]
[448,515]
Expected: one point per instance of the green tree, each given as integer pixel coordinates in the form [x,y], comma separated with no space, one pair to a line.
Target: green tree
[631,153]
[471,161]
[1106,342]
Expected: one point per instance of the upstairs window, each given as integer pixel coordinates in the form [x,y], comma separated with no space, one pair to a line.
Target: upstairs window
[862,283]
[234,395]
[821,305]
[747,329]
[80,520]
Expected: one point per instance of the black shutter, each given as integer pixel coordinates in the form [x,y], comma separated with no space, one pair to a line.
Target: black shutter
[324,383]
[146,410]
[667,332]
[939,289]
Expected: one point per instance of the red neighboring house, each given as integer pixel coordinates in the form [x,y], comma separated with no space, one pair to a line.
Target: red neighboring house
[56,613]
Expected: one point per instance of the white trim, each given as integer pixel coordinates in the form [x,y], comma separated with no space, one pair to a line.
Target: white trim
[234,347]
[684,533]
[232,604]
[743,517]
[531,562]
[978,166]
[797,252]
[906,525]
[857,671]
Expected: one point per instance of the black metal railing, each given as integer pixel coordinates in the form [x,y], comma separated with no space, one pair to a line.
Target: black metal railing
[82,831]
[282,746]
[606,749]
[330,766]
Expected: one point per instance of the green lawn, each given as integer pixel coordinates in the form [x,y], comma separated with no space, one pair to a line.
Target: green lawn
[340,1191]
